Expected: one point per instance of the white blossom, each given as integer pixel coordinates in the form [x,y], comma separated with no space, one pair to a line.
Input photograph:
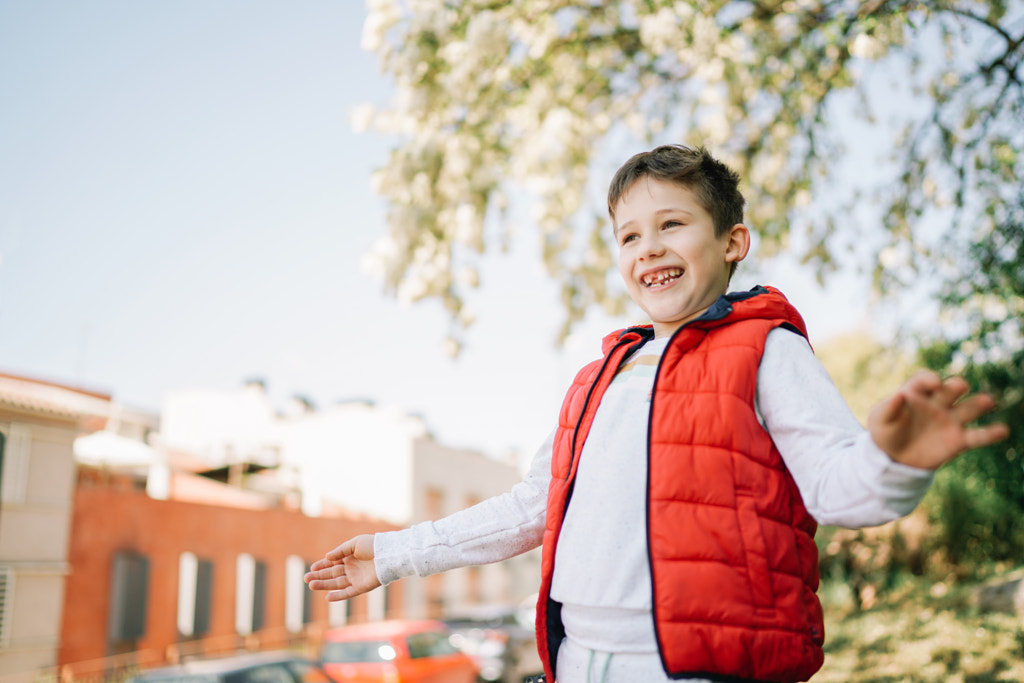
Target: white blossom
[525,95]
[660,30]
[867,47]
[381,16]
[362,117]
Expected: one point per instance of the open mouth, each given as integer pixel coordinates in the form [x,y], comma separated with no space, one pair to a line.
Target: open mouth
[661,277]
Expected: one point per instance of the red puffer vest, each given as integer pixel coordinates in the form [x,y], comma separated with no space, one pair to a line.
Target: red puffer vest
[734,567]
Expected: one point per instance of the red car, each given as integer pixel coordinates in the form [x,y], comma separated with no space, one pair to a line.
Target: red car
[397,651]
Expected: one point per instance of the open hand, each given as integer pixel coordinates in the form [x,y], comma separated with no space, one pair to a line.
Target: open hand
[346,571]
[924,424]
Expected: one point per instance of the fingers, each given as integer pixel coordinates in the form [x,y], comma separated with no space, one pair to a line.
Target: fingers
[332,562]
[973,407]
[986,436]
[336,596]
[924,382]
[927,384]
[945,393]
[337,584]
[951,390]
[924,385]
[321,564]
[952,394]
[320,575]
[343,550]
[327,578]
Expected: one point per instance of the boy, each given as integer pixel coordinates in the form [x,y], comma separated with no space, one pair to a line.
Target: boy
[678,497]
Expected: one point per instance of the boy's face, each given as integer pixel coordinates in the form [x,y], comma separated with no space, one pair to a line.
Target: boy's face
[673,265]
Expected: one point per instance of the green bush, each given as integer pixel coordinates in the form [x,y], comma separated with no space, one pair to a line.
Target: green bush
[976,505]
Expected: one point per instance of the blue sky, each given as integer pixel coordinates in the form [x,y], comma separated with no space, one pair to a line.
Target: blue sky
[183,205]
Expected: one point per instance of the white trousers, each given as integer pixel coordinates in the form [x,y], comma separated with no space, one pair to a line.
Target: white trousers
[577,664]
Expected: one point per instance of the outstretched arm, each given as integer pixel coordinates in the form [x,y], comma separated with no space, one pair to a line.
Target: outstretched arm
[924,424]
[346,571]
[845,477]
[493,530]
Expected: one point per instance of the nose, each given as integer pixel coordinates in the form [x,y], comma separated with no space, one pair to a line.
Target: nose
[650,246]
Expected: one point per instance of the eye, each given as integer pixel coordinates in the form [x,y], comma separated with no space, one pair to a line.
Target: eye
[629,237]
[671,224]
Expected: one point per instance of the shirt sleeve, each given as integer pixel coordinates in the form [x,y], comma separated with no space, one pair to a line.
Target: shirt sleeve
[490,531]
[844,478]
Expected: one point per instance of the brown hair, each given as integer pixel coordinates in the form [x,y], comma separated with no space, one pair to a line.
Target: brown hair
[715,185]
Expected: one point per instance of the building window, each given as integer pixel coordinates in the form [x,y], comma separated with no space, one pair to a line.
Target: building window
[296,595]
[307,599]
[259,596]
[129,586]
[6,595]
[339,613]
[250,594]
[204,596]
[195,595]
[3,440]
[17,443]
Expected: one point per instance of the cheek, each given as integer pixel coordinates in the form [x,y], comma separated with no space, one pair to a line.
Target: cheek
[707,253]
[625,265]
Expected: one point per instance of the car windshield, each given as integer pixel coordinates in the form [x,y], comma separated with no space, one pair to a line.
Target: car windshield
[181,677]
[267,673]
[308,673]
[358,651]
[429,644]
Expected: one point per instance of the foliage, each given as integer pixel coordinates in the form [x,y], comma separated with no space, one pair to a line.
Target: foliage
[495,98]
[978,504]
[922,632]
[863,370]
[977,501]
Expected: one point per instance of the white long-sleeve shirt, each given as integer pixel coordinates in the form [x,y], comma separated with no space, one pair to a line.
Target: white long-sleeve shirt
[601,560]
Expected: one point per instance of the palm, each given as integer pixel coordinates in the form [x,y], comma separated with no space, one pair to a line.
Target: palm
[925,423]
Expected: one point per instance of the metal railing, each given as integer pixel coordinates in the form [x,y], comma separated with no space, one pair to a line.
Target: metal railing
[119,668]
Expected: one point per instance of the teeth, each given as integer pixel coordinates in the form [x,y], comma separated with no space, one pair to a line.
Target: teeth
[661,277]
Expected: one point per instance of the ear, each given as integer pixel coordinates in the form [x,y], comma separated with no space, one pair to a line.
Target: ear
[737,243]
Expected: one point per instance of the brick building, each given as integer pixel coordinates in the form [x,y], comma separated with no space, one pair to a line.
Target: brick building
[165,578]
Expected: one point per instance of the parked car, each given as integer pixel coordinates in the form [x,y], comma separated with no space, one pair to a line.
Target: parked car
[504,647]
[266,667]
[395,651]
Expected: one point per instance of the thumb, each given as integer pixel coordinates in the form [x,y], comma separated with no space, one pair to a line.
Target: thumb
[888,410]
[343,550]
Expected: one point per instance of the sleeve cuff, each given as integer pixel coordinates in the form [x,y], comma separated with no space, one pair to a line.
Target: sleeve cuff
[903,486]
[389,560]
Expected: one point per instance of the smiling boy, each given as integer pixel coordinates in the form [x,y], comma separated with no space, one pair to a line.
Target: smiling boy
[678,496]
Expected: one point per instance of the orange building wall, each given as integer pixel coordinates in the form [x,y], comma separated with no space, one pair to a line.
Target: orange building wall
[108,520]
